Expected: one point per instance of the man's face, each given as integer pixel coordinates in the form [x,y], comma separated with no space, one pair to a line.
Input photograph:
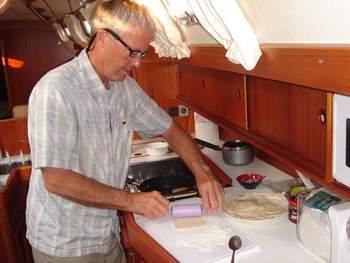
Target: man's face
[117,63]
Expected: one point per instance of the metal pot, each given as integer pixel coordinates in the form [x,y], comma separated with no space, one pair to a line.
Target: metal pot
[235,153]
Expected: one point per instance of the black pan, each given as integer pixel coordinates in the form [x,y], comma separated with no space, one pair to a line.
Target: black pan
[168,184]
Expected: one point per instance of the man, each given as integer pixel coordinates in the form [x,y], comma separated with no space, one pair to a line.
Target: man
[81,121]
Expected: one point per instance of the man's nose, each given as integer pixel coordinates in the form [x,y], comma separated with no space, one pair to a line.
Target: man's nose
[136,62]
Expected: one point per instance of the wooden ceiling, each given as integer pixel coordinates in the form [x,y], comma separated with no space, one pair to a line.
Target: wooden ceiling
[40,10]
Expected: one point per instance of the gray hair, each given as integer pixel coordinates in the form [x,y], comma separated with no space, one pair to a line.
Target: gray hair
[121,16]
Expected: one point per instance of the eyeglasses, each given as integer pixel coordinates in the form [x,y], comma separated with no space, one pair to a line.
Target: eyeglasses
[133,53]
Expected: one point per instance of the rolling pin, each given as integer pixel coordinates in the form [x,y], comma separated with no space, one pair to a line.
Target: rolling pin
[186,210]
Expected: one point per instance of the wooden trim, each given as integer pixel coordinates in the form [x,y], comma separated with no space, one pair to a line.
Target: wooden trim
[320,66]
[223,178]
[329,139]
[144,244]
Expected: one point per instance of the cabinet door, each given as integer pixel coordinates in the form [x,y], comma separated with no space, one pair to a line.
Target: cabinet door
[219,92]
[289,115]
[159,81]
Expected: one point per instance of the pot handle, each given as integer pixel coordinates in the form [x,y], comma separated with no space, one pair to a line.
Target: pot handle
[207,144]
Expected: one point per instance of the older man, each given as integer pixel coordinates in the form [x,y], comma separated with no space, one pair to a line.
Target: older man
[82,116]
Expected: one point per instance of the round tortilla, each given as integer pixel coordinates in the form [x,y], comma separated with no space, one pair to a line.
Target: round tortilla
[256,207]
[187,223]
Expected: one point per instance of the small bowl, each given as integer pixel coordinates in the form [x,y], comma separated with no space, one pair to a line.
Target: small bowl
[250,181]
[157,148]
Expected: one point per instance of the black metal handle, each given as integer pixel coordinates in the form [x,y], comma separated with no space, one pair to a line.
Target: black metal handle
[207,144]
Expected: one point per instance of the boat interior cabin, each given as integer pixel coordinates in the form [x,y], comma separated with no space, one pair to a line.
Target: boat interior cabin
[273,73]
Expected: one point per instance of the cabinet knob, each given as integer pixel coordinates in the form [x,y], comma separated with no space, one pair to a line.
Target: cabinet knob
[322,116]
[204,83]
[238,93]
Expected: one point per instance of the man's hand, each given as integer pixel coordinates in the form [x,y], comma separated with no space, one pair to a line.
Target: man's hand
[211,192]
[208,186]
[152,205]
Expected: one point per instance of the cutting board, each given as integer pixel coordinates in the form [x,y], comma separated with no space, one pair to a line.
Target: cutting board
[208,243]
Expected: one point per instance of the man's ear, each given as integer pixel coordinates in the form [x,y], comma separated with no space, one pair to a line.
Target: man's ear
[101,38]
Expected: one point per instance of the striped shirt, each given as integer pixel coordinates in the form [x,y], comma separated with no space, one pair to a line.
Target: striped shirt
[74,123]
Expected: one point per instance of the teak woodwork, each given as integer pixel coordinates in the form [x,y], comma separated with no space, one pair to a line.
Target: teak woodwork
[320,66]
[30,50]
[14,245]
[159,81]
[308,76]
[14,136]
[199,85]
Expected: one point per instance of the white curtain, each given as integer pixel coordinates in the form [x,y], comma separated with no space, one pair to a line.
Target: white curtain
[225,21]
[168,41]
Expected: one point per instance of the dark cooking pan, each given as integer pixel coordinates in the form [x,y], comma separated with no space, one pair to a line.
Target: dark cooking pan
[168,184]
[236,152]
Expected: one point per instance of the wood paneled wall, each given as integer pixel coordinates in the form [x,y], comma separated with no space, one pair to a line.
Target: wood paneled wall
[13,136]
[30,50]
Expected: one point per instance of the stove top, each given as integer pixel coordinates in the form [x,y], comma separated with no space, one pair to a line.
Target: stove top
[141,172]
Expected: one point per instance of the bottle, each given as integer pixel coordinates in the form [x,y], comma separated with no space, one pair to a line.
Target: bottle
[293,209]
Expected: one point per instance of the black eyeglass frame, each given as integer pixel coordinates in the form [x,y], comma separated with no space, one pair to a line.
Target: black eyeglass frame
[137,53]
[133,53]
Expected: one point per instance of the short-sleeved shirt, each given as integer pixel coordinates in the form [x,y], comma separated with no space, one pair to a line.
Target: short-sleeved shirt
[74,123]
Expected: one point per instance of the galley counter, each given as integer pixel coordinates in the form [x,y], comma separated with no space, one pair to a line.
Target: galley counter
[265,241]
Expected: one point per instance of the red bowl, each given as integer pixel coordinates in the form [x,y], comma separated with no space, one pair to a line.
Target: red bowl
[250,181]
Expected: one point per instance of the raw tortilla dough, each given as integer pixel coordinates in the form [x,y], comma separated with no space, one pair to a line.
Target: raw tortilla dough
[256,206]
[187,223]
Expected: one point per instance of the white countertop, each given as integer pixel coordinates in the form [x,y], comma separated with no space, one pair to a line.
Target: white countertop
[276,238]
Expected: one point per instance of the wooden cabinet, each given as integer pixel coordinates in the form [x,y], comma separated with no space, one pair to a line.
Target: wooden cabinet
[297,140]
[25,66]
[290,115]
[14,136]
[214,93]
[13,243]
[285,121]
[159,81]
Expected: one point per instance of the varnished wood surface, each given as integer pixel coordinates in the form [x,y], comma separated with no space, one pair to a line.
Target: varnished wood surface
[159,80]
[289,115]
[14,245]
[200,84]
[14,136]
[35,49]
[320,66]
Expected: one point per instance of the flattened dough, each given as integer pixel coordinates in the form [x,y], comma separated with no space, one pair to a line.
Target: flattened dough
[187,223]
[256,206]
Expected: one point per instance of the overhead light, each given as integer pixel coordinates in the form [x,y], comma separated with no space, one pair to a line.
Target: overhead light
[4,4]
[65,29]
[85,24]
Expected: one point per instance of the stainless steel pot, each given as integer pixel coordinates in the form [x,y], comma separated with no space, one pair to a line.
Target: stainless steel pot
[235,153]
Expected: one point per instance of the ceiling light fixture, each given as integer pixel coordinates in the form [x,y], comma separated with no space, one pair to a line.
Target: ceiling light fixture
[4,4]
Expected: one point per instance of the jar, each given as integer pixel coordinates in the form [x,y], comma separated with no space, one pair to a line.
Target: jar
[293,209]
